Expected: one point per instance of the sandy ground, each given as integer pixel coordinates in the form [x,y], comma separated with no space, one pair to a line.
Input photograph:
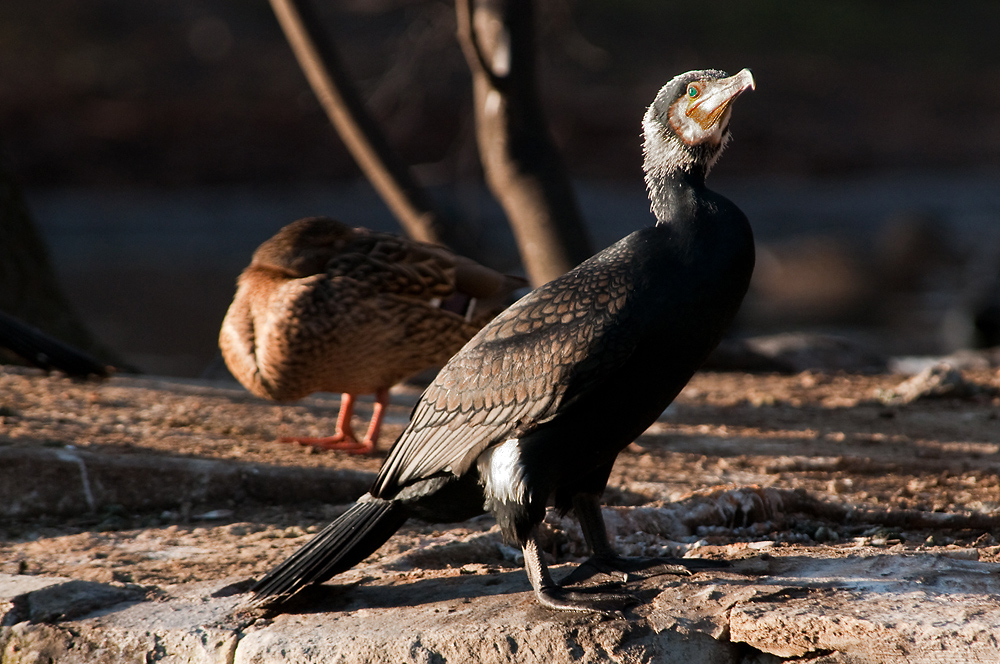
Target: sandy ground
[833,435]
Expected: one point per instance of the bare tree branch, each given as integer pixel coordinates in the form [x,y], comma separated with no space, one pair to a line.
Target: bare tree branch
[891,518]
[523,168]
[407,200]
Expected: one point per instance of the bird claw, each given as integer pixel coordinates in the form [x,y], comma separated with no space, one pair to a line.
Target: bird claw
[605,604]
[625,569]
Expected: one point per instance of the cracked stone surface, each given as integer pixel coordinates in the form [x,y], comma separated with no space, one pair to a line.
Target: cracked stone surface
[866,607]
[856,531]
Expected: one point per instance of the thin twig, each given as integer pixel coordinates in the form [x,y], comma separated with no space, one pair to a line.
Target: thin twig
[893,518]
[360,133]
[469,41]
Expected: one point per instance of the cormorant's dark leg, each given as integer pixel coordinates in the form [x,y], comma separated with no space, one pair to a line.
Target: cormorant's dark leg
[588,513]
[606,561]
[552,596]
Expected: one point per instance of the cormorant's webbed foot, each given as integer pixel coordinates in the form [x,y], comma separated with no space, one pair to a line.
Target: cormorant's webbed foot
[553,596]
[606,561]
[606,604]
[626,569]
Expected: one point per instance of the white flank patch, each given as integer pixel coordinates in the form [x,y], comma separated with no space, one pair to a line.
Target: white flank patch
[505,482]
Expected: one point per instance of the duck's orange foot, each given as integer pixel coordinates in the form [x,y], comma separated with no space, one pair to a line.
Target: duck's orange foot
[340,442]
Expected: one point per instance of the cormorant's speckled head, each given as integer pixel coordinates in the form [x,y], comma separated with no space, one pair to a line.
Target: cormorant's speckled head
[687,125]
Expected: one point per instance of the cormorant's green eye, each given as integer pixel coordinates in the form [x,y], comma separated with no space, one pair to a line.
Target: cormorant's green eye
[692,91]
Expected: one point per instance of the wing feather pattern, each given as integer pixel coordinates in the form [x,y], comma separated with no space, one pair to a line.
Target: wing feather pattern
[518,371]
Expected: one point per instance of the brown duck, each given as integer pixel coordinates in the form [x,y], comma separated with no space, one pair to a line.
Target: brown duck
[328,308]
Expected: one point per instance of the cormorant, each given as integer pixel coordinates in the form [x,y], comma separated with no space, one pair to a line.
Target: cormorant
[324,307]
[537,406]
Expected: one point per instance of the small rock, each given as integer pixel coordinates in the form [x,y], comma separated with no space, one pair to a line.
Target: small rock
[940,380]
[825,534]
[840,485]
[239,529]
[961,553]
[214,515]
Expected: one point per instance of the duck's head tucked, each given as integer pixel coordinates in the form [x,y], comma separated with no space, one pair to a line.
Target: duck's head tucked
[687,125]
[304,247]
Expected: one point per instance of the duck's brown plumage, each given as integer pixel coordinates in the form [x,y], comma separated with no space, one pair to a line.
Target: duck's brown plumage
[325,307]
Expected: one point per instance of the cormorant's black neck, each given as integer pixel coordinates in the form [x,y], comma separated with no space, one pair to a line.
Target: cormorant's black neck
[673,194]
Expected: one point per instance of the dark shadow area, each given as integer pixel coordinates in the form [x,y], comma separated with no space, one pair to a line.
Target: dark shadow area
[332,596]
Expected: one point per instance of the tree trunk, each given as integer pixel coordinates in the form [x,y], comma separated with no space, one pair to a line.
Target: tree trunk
[523,168]
[407,200]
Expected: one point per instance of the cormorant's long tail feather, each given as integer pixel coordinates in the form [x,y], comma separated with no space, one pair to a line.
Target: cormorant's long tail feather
[347,541]
[45,351]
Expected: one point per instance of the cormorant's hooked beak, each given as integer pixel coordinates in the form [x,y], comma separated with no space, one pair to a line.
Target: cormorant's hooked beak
[715,97]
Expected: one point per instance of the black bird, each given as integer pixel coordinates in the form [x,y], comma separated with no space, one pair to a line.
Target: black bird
[536,407]
[45,351]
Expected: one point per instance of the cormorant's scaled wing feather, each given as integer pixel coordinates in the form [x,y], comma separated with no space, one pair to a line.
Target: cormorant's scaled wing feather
[461,414]
[516,373]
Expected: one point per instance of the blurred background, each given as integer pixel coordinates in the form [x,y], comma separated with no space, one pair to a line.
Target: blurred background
[158,143]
